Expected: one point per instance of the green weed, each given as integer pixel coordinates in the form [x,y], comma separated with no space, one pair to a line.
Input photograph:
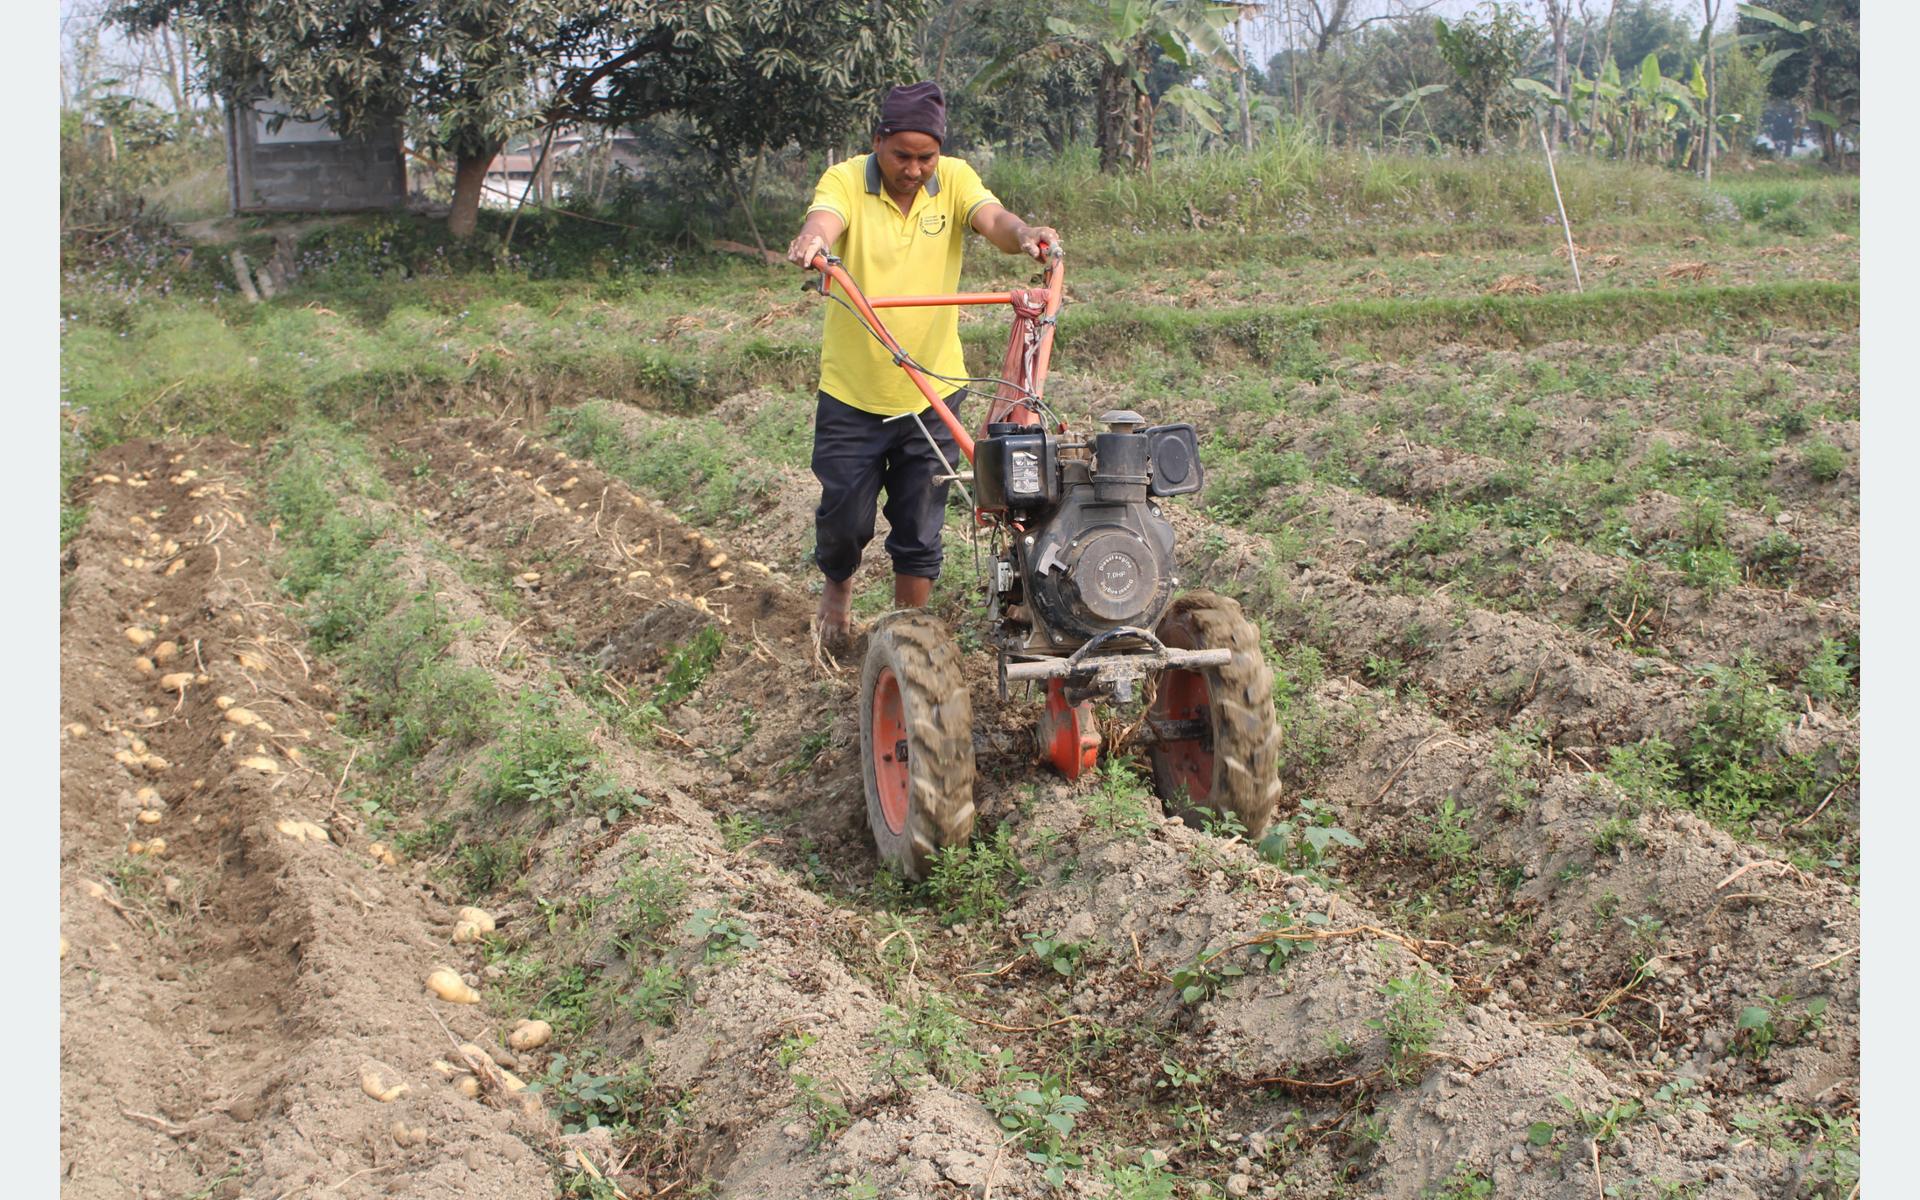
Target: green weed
[930,1037]
[1057,952]
[976,883]
[1305,843]
[545,757]
[1602,1125]
[723,936]
[1041,1113]
[1824,461]
[655,994]
[583,1099]
[1616,831]
[1279,930]
[1449,838]
[1515,757]
[488,865]
[1464,1182]
[826,1114]
[654,893]
[1830,672]
[1120,803]
[1412,1017]
[1203,978]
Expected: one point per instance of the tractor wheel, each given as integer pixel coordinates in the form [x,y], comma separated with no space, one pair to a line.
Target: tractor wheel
[916,741]
[1229,758]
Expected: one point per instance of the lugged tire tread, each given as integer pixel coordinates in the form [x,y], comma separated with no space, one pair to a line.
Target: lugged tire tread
[1246,742]
[938,718]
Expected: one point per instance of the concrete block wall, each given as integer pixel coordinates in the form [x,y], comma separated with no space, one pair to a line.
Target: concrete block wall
[321,173]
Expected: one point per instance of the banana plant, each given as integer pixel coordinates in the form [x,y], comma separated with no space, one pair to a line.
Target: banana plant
[1121,36]
[1408,104]
[1815,38]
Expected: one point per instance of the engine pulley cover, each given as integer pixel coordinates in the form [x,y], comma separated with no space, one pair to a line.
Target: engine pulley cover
[1113,573]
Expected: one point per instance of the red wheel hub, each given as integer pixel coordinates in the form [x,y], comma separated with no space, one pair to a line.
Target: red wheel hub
[890,751]
[1183,696]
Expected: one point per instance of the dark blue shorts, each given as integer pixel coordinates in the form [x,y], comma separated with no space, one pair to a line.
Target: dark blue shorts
[855,455]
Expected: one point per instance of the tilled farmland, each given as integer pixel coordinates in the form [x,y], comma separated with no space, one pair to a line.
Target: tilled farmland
[1562,901]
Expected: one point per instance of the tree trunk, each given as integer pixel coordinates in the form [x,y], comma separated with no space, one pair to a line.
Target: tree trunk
[1143,133]
[1115,98]
[169,68]
[1240,49]
[1709,7]
[469,176]
[1557,13]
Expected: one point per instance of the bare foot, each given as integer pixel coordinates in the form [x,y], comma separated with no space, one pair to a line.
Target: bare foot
[834,618]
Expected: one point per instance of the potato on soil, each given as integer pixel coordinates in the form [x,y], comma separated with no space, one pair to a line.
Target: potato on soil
[529,1035]
[177,681]
[77,730]
[480,917]
[166,652]
[63,947]
[446,983]
[381,853]
[381,1082]
[403,1136]
[466,933]
[261,763]
[301,831]
[143,665]
[139,636]
[149,816]
[514,1082]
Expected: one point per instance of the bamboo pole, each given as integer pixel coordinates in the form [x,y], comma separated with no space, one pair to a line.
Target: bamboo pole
[1573,255]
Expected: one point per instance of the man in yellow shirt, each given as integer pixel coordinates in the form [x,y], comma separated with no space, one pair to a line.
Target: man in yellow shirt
[898,220]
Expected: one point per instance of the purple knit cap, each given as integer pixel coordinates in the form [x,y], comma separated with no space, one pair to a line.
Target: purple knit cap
[914,108]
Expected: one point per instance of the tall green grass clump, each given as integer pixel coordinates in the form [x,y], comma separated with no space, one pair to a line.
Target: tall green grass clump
[1294,183]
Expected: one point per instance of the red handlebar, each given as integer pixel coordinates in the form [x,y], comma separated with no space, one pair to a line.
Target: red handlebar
[831,270]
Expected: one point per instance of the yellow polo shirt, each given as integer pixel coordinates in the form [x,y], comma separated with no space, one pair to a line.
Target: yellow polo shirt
[893,254]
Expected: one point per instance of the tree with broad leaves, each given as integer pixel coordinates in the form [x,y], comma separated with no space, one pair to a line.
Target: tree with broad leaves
[1486,53]
[1815,58]
[466,75]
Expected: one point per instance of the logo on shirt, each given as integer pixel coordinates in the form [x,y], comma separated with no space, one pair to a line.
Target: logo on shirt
[933,223]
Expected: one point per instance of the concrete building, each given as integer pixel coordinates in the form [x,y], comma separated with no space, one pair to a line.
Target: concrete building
[303,166]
